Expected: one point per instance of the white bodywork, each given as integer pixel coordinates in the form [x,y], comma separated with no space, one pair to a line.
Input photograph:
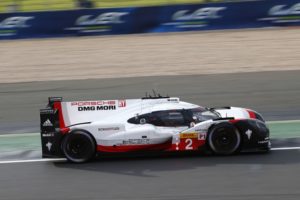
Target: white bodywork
[107,121]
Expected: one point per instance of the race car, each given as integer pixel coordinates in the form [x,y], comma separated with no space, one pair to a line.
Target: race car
[81,130]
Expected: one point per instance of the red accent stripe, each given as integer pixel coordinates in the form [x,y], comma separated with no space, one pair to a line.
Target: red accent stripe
[168,146]
[57,106]
[132,148]
[251,114]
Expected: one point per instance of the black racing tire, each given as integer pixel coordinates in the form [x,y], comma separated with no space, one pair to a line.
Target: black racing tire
[79,147]
[224,139]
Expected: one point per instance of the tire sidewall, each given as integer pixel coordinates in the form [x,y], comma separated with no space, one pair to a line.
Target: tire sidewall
[232,129]
[92,146]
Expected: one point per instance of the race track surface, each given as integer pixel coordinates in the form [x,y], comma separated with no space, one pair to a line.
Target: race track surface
[273,176]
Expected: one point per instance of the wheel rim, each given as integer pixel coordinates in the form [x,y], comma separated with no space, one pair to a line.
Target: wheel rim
[78,148]
[224,141]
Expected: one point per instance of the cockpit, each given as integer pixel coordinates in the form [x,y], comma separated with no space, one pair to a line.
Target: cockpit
[203,114]
[175,118]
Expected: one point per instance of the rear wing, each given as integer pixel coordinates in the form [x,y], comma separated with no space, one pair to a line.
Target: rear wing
[51,128]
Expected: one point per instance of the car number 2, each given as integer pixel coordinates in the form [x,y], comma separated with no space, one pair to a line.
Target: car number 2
[189,144]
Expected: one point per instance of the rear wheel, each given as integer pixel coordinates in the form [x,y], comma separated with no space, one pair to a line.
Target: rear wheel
[79,147]
[224,139]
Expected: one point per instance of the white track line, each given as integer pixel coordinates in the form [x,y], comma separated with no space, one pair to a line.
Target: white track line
[33,160]
[285,148]
[63,159]
[19,135]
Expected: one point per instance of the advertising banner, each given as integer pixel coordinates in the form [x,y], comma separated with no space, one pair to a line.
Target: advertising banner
[192,17]
[252,14]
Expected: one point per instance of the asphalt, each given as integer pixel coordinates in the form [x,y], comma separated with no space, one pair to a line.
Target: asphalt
[255,176]
[270,176]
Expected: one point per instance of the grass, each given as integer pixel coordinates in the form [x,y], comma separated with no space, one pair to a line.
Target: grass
[42,5]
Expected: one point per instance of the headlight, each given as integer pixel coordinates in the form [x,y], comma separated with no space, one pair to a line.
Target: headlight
[262,126]
[259,117]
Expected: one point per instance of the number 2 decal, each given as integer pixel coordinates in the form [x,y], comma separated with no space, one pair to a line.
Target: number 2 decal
[189,143]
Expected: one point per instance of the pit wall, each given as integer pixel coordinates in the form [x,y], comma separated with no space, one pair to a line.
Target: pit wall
[176,18]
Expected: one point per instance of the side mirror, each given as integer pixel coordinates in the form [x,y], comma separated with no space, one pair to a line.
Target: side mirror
[192,124]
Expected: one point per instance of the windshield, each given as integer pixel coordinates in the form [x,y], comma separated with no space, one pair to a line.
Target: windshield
[175,118]
[202,114]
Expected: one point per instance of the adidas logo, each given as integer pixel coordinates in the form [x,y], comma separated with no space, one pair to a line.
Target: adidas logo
[47,123]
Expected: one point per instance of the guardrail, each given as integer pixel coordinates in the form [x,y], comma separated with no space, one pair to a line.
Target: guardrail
[252,14]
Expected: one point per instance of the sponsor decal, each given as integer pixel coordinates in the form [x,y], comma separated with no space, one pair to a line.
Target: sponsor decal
[15,22]
[200,130]
[47,111]
[283,14]
[109,129]
[122,103]
[143,121]
[99,23]
[47,123]
[96,108]
[95,105]
[48,134]
[249,134]
[11,24]
[266,140]
[49,145]
[201,136]
[105,18]
[188,135]
[263,142]
[195,19]
[137,141]
[284,10]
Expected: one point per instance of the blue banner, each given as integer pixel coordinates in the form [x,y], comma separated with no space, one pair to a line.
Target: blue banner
[252,14]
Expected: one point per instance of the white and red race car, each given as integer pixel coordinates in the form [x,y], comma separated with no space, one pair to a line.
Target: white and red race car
[80,130]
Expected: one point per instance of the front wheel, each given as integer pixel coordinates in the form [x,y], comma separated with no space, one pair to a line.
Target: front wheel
[224,139]
[79,147]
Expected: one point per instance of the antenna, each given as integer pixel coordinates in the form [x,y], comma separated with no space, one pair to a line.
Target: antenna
[154,93]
